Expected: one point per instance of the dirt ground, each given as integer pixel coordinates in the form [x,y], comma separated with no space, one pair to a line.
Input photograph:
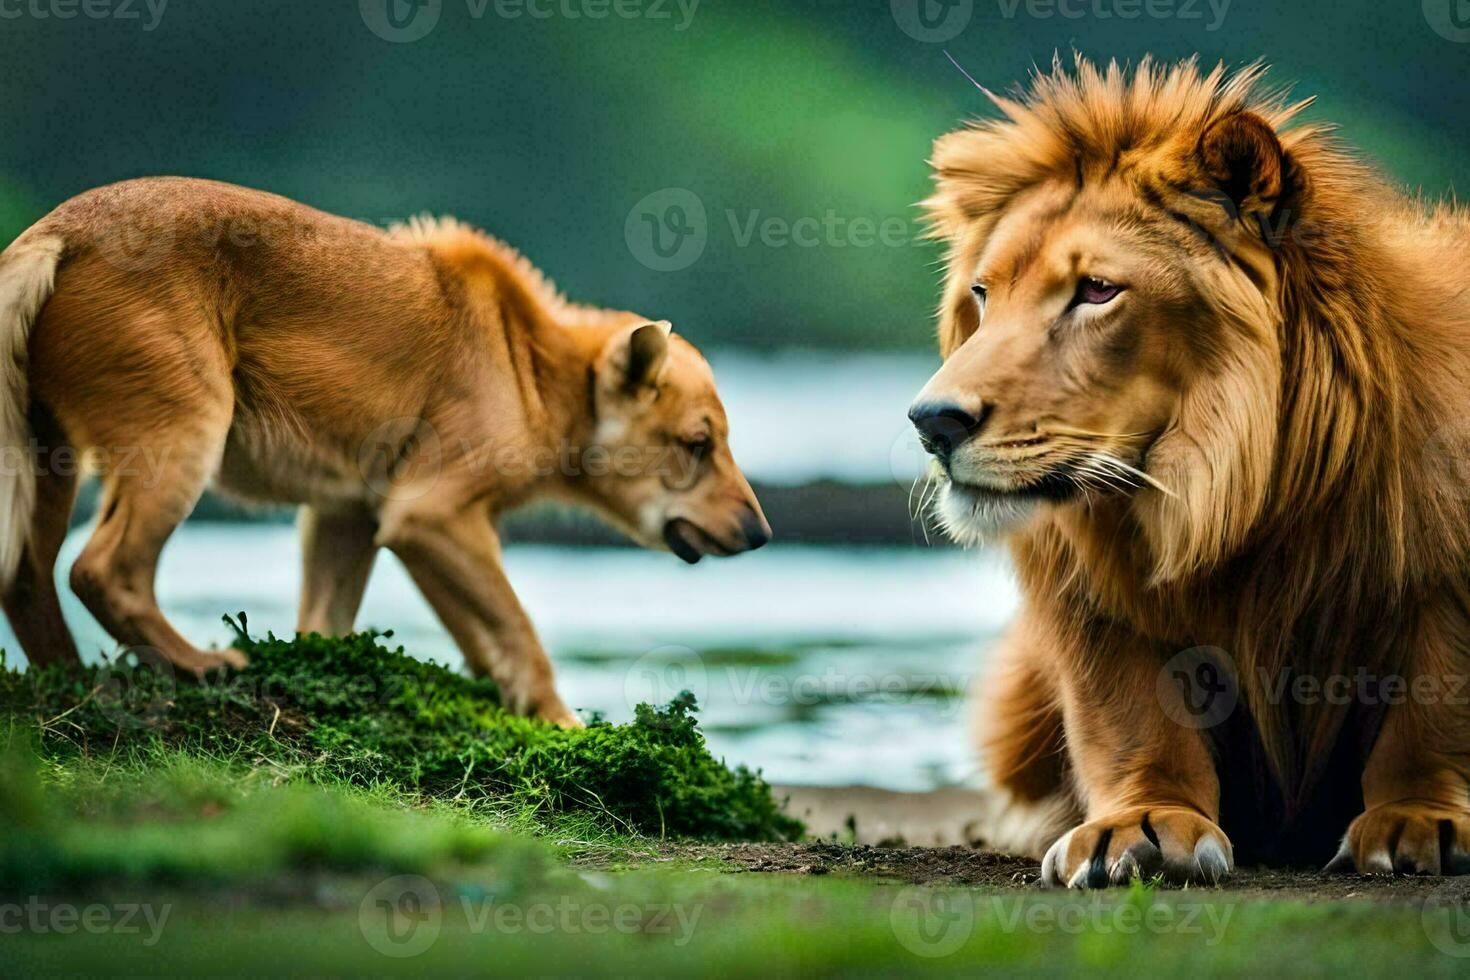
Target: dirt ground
[929,838]
[961,865]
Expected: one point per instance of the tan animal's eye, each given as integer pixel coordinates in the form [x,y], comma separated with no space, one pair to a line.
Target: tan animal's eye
[697,446]
[979,291]
[1091,291]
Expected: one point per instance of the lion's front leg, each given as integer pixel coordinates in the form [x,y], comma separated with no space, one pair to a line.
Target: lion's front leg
[1142,764]
[1416,794]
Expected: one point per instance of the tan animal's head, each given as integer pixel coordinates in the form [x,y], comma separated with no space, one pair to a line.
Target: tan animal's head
[1110,322]
[660,463]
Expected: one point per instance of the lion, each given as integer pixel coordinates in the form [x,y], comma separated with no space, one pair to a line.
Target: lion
[1207,375]
[405,388]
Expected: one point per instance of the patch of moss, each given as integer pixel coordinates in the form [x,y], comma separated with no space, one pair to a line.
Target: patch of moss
[353,709]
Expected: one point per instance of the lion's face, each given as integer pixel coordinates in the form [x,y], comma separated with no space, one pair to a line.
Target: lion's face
[1084,326]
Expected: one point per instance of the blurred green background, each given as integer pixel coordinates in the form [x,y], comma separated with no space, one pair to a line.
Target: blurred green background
[800,129]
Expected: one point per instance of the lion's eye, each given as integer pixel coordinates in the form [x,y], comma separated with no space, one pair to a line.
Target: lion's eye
[697,446]
[1095,291]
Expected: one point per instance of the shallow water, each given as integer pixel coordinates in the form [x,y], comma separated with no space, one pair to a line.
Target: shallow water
[817,665]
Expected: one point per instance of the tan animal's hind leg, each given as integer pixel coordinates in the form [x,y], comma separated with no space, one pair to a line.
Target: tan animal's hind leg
[337,558]
[149,487]
[31,602]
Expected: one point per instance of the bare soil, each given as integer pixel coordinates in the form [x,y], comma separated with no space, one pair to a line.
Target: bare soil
[873,833]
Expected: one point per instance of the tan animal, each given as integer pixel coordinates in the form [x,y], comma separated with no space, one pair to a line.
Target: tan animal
[404,387]
[1209,377]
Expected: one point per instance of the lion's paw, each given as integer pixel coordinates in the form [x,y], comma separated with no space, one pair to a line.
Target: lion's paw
[1406,838]
[1175,842]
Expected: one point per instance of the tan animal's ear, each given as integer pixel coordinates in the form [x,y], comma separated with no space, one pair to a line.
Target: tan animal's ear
[648,350]
[1242,156]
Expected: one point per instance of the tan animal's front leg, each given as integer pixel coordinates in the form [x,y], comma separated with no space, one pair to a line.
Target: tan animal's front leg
[454,558]
[1416,785]
[1145,773]
[337,551]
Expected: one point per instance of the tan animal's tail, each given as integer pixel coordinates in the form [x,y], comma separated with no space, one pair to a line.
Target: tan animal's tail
[27,276]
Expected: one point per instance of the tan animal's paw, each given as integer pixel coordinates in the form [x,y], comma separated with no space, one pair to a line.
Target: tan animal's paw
[1172,841]
[1407,838]
[557,714]
[204,663]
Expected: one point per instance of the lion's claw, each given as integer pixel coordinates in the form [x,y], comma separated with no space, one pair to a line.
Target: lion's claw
[1174,842]
[1406,839]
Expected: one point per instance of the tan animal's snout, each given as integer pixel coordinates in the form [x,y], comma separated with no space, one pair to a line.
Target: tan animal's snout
[733,528]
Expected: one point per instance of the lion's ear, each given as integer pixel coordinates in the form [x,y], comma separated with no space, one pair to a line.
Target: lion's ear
[1242,156]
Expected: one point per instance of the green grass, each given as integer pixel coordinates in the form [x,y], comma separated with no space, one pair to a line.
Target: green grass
[354,710]
[298,820]
[171,817]
[197,863]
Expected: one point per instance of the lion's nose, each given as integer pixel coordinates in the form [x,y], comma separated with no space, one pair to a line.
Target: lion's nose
[944,426]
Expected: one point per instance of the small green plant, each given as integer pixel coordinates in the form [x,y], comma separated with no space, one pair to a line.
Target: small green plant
[353,709]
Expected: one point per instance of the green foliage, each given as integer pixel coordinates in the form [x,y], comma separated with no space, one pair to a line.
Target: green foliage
[170,817]
[354,710]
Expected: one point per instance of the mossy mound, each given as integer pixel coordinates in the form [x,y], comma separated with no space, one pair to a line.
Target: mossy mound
[356,710]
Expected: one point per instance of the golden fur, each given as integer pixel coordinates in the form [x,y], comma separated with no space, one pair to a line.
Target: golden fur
[405,388]
[1266,434]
